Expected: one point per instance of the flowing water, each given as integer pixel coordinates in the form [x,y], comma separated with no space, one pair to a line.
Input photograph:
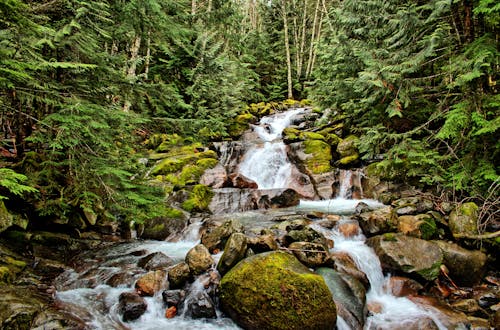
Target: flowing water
[84,291]
[267,162]
[395,312]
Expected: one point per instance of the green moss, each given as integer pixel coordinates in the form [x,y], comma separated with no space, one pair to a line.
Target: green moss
[432,272]
[312,136]
[282,291]
[174,213]
[428,227]
[320,152]
[190,174]
[207,154]
[14,262]
[348,146]
[199,199]
[389,237]
[206,163]
[157,228]
[169,165]
[469,209]
[349,159]
[291,134]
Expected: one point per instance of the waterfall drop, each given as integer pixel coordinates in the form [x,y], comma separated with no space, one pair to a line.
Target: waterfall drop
[267,162]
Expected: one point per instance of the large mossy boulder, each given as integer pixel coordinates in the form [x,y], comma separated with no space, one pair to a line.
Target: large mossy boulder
[273,290]
[319,156]
[463,220]
[410,255]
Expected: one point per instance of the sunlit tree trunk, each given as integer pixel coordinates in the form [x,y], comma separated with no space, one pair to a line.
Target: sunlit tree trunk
[287,49]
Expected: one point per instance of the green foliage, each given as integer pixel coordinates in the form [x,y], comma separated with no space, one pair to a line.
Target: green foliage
[420,88]
[13,182]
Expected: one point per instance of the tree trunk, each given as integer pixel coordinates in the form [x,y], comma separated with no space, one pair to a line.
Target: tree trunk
[302,42]
[193,7]
[313,39]
[131,74]
[287,49]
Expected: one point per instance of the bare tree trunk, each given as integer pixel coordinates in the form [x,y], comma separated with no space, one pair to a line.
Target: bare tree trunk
[287,49]
[318,38]
[313,40]
[300,63]
[193,7]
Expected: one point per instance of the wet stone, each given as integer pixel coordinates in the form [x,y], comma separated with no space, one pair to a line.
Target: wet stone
[131,306]
[155,260]
[173,297]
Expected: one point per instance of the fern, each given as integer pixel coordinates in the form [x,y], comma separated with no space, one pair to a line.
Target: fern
[13,182]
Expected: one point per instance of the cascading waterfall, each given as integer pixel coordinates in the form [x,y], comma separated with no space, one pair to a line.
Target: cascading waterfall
[267,163]
[396,312]
[87,295]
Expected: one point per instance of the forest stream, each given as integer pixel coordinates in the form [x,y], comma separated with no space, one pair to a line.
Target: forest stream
[91,291]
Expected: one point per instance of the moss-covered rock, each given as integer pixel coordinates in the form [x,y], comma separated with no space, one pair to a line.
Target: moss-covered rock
[291,134]
[463,220]
[240,124]
[348,150]
[199,199]
[160,228]
[320,156]
[273,290]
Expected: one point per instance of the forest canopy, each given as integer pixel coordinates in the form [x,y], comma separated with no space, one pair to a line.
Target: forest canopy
[83,83]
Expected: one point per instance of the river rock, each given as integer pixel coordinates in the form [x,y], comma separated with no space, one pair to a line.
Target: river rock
[378,221]
[349,228]
[19,306]
[215,238]
[178,275]
[215,177]
[240,181]
[234,251]
[131,306]
[199,259]
[344,264]
[449,318]
[155,260]
[463,220]
[200,305]
[262,243]
[310,254]
[306,234]
[152,282]
[401,286]
[350,303]
[162,228]
[173,297]
[468,306]
[407,254]
[301,183]
[466,267]
[287,198]
[273,290]
[324,184]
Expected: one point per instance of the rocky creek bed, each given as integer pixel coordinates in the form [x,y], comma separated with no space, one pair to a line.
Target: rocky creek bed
[295,249]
